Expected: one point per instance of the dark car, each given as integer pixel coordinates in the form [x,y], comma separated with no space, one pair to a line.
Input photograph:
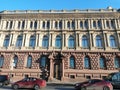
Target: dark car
[114,78]
[4,80]
[30,82]
[94,84]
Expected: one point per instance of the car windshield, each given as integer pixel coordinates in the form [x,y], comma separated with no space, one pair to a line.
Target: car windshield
[109,76]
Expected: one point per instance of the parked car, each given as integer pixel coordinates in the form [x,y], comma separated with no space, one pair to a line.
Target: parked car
[30,82]
[94,84]
[114,78]
[4,80]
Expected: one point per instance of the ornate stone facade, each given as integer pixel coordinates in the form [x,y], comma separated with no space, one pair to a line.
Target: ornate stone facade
[92,35]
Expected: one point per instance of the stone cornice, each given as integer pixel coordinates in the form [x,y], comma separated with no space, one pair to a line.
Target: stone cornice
[61,15]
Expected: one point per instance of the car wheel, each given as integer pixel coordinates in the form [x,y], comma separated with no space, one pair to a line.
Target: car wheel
[83,88]
[106,88]
[15,87]
[1,84]
[36,87]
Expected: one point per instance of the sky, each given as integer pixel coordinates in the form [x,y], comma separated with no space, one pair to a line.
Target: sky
[57,4]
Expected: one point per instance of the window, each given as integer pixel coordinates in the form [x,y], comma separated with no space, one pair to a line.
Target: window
[43,25]
[7,23]
[56,23]
[35,24]
[99,24]
[19,41]
[29,62]
[98,41]
[84,42]
[15,61]
[72,62]
[112,24]
[58,42]
[81,24]
[32,41]
[117,62]
[48,24]
[107,24]
[31,24]
[112,42]
[43,61]
[45,42]
[94,24]
[73,24]
[11,24]
[23,24]
[60,24]
[68,24]
[1,61]
[6,41]
[86,24]
[19,25]
[71,43]
[102,63]
[87,63]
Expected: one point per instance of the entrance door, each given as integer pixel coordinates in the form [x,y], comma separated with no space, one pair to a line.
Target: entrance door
[57,71]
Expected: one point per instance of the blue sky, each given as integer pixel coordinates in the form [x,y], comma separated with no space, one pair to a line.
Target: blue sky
[57,4]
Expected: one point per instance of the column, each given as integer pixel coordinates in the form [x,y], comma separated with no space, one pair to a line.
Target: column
[116,25]
[37,40]
[63,40]
[76,40]
[11,37]
[24,37]
[118,39]
[104,40]
[51,68]
[90,41]
[62,69]
[102,24]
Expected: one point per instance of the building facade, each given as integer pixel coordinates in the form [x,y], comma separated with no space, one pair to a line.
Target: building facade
[69,45]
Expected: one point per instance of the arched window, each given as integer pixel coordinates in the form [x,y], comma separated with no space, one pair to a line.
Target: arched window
[23,24]
[112,41]
[1,61]
[35,24]
[45,42]
[60,24]
[117,62]
[87,64]
[31,24]
[19,41]
[102,63]
[6,41]
[29,62]
[68,24]
[43,25]
[98,41]
[84,42]
[15,61]
[19,24]
[58,42]
[43,61]
[32,41]
[72,62]
[11,24]
[71,42]
[73,24]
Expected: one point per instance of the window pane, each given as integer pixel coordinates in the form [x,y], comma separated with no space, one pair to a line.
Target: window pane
[102,63]
[117,62]
[32,41]
[71,42]
[58,42]
[98,41]
[1,61]
[87,62]
[19,41]
[72,62]
[6,41]
[112,41]
[45,42]
[43,62]
[84,42]
[29,62]
[15,61]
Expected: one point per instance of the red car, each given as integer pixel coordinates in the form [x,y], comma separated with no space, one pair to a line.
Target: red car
[30,82]
[94,84]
